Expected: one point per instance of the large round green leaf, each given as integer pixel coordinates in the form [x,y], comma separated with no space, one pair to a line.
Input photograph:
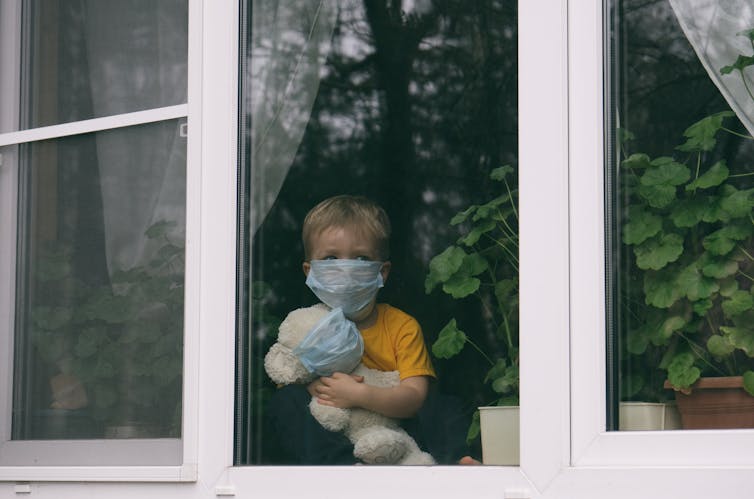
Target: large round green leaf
[713,177]
[641,226]
[449,342]
[701,135]
[738,303]
[657,252]
[660,289]
[682,373]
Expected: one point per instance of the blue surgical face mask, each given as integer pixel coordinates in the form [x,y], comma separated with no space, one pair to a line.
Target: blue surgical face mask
[347,284]
[333,345]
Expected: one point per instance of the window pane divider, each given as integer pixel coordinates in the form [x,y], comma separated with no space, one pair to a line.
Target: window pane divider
[94,125]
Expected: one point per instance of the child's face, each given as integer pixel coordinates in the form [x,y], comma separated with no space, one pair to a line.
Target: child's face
[351,244]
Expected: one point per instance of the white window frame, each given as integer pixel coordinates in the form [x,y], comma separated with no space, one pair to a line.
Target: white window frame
[98,460]
[565,450]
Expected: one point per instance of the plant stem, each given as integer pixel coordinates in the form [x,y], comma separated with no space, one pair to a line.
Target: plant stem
[510,196]
[701,353]
[468,340]
[511,234]
[508,335]
[741,175]
[743,136]
[746,276]
[746,253]
[746,85]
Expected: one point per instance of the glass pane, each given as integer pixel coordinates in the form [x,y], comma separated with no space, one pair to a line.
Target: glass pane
[413,105]
[682,239]
[99,285]
[93,58]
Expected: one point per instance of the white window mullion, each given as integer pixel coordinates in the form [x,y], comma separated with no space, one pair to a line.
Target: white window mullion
[543,201]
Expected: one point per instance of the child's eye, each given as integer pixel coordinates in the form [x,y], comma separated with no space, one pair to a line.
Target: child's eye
[330,257]
[363,258]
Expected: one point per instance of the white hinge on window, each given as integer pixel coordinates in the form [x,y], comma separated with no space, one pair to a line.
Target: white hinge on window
[183,130]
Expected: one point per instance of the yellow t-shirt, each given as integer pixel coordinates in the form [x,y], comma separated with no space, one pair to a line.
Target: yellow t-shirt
[396,343]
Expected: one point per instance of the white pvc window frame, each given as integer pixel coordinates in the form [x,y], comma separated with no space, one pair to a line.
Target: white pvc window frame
[565,451]
[95,460]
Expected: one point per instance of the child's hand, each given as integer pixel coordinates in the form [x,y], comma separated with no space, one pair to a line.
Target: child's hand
[339,390]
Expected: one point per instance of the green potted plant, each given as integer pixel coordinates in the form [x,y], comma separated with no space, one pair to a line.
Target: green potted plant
[483,265]
[691,236]
[691,232]
[119,346]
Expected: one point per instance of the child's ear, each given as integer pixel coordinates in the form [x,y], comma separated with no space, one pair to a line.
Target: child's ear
[307,267]
[385,270]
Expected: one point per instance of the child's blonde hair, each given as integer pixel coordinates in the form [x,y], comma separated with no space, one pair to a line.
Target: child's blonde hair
[348,211]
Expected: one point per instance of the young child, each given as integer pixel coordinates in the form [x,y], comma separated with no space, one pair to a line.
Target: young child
[346,244]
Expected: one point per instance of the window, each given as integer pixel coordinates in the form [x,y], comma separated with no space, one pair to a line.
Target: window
[564,132]
[413,105]
[93,158]
[591,444]
[683,243]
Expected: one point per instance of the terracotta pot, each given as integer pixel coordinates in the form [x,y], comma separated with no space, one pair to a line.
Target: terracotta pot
[716,403]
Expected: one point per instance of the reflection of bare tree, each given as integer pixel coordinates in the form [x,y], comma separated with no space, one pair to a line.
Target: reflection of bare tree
[416,104]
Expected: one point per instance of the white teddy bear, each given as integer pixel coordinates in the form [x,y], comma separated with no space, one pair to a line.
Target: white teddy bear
[377,439]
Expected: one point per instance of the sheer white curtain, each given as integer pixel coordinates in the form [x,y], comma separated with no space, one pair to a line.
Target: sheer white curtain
[290,43]
[136,55]
[717,31]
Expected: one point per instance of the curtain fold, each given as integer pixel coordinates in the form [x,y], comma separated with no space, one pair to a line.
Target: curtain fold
[137,59]
[289,45]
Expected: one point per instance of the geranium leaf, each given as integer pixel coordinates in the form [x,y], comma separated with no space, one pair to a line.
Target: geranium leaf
[656,253]
[688,212]
[713,177]
[701,135]
[720,269]
[636,161]
[667,172]
[720,346]
[738,203]
[657,196]
[681,371]
[449,342]
[738,303]
[694,285]
[443,266]
[641,226]
[461,286]
[741,337]
[500,172]
[660,289]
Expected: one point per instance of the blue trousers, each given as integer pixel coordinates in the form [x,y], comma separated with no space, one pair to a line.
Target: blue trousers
[439,428]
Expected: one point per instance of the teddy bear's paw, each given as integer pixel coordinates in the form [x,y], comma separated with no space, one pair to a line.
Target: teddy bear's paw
[331,418]
[381,447]
[418,458]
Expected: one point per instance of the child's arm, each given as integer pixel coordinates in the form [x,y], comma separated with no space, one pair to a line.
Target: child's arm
[345,390]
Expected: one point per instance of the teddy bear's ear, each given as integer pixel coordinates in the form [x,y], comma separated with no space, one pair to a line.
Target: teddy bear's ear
[298,323]
[283,367]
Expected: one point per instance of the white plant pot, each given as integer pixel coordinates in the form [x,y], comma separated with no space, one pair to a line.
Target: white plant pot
[500,428]
[648,416]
